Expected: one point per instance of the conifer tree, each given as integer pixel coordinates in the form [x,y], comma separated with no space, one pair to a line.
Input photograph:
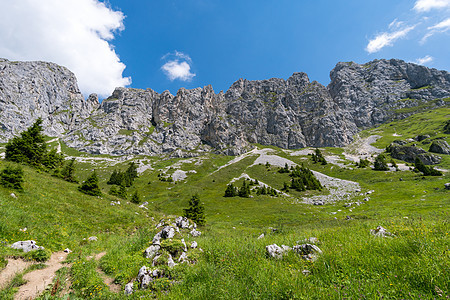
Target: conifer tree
[68,172]
[29,147]
[244,191]
[426,170]
[380,163]
[195,211]
[231,191]
[135,198]
[90,186]
[12,178]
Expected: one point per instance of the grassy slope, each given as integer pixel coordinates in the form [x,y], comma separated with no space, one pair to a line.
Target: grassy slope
[413,264]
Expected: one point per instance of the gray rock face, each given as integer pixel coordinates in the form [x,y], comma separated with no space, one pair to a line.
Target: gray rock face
[380,90]
[290,113]
[440,146]
[29,90]
[409,154]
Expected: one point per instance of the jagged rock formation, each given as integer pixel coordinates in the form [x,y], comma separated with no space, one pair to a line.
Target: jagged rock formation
[29,90]
[290,113]
[379,90]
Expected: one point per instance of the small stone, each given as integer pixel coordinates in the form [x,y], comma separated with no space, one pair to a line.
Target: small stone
[128,288]
[261,236]
[275,251]
[67,250]
[151,251]
[447,186]
[194,245]
[13,195]
[380,232]
[93,238]
[306,272]
[195,233]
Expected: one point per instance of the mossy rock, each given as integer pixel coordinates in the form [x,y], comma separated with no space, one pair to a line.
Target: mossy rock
[173,246]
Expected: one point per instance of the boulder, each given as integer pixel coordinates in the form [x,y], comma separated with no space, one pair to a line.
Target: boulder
[26,246]
[128,288]
[182,222]
[307,251]
[440,146]
[168,232]
[195,233]
[421,137]
[409,154]
[275,251]
[380,232]
[151,251]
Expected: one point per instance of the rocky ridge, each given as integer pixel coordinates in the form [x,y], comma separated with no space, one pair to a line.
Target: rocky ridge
[292,113]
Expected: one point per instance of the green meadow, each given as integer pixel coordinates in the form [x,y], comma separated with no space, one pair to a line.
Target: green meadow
[413,263]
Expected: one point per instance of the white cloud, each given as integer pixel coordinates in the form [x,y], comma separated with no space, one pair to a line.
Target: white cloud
[424,60]
[72,33]
[387,39]
[440,27]
[396,24]
[427,5]
[178,66]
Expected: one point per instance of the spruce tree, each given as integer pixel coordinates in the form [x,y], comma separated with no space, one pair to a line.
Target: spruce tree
[90,186]
[135,198]
[231,191]
[244,191]
[426,170]
[29,147]
[12,178]
[195,211]
[68,171]
[380,163]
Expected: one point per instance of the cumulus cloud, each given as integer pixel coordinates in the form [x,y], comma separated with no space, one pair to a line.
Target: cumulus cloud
[177,66]
[424,60]
[387,39]
[427,5]
[440,27]
[72,33]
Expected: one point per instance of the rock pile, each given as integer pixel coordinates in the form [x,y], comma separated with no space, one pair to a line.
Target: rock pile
[168,249]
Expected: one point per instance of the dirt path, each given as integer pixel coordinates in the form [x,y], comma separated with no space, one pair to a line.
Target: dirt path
[38,280]
[13,267]
[113,287]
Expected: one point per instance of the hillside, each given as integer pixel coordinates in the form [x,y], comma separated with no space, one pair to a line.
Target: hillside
[411,263]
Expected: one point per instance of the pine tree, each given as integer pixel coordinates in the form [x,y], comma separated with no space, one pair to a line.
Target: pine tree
[116,178]
[135,198]
[29,148]
[196,211]
[317,157]
[426,170]
[12,178]
[90,186]
[122,192]
[231,191]
[380,163]
[68,171]
[244,191]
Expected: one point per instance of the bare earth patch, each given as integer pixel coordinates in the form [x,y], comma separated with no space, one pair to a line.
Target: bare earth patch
[113,287]
[38,280]
[13,267]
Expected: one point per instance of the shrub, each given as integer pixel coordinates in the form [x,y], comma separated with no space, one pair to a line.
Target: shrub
[447,127]
[12,178]
[195,211]
[40,255]
[244,191]
[52,160]
[90,186]
[363,163]
[303,179]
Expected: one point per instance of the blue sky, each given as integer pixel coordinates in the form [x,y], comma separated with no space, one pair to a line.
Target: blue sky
[165,45]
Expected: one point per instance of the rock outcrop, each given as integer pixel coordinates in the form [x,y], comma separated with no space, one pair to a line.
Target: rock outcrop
[440,146]
[409,154]
[290,113]
[29,90]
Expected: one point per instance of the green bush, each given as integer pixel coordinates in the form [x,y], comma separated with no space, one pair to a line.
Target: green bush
[12,178]
[40,255]
[363,163]
[68,172]
[135,198]
[90,186]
